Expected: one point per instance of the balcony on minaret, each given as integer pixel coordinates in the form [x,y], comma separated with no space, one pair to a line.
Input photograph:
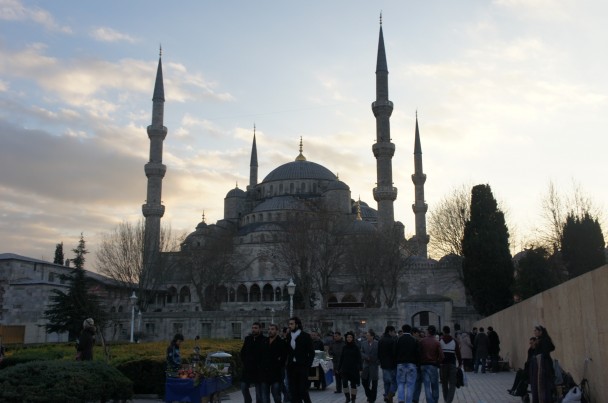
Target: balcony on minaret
[385,193]
[420,207]
[155,169]
[382,105]
[383,149]
[419,179]
[153,210]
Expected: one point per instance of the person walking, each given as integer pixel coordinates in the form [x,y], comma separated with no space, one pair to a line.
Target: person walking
[335,352]
[418,335]
[493,348]
[386,348]
[350,367]
[318,345]
[299,360]
[174,359]
[274,365]
[449,366]
[369,375]
[466,350]
[86,341]
[252,357]
[482,345]
[407,355]
[541,367]
[431,356]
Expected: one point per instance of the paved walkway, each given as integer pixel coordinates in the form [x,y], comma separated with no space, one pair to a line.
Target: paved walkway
[481,388]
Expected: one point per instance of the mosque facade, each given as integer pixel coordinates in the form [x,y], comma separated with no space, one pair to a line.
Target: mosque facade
[237,270]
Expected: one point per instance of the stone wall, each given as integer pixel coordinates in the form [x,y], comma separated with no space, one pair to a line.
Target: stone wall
[575,314]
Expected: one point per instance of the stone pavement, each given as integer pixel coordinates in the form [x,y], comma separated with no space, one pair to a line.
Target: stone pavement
[481,388]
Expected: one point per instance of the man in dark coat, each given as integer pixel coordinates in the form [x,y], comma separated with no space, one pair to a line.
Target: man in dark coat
[335,352]
[252,356]
[299,360]
[407,356]
[386,348]
[493,348]
[482,345]
[274,362]
[369,375]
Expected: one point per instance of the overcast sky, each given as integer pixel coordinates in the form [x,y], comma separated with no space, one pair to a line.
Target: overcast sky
[512,93]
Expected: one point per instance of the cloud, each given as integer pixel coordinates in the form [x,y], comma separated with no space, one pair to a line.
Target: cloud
[15,10]
[105,34]
[546,10]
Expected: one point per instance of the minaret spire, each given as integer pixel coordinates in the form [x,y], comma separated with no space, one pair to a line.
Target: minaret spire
[420,207]
[384,192]
[253,165]
[155,170]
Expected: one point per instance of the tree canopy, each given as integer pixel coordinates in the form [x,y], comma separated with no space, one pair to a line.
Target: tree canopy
[582,244]
[487,266]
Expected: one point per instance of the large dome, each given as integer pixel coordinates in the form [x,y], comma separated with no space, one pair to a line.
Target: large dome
[300,170]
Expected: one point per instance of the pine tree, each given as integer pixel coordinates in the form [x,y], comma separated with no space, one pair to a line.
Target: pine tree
[58,254]
[67,310]
[487,266]
[582,244]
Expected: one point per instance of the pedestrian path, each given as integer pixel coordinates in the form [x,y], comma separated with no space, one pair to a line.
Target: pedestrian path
[481,388]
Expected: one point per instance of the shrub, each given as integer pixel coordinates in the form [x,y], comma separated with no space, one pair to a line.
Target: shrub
[63,381]
[147,375]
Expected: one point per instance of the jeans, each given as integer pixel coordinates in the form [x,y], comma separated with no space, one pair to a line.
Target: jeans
[480,359]
[406,375]
[448,381]
[261,392]
[276,390]
[418,388]
[389,376]
[430,378]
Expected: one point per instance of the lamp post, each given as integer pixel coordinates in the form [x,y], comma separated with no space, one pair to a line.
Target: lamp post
[133,299]
[291,289]
[272,315]
[139,320]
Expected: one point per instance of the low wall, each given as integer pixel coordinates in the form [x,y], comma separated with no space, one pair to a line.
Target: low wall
[575,314]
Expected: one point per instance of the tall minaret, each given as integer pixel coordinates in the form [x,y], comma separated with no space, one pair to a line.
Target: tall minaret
[419,206]
[253,165]
[384,192]
[155,170]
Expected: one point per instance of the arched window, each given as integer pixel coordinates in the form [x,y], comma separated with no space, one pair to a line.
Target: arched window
[184,295]
[277,294]
[271,189]
[241,294]
[113,309]
[222,294]
[349,298]
[291,187]
[280,188]
[254,293]
[267,293]
[119,308]
[332,299]
[303,187]
[314,187]
[232,294]
[172,295]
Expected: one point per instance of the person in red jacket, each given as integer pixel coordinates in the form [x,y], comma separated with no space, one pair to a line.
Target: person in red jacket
[431,356]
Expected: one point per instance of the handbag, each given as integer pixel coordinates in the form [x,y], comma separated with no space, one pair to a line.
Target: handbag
[460,378]
[574,395]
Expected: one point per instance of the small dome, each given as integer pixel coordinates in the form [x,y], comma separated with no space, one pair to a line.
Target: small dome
[337,185]
[300,170]
[236,192]
[359,227]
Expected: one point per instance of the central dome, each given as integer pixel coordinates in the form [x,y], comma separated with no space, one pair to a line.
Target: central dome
[300,170]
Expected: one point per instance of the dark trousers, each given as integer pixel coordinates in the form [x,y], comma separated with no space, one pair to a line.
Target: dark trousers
[261,392]
[338,381]
[370,393]
[298,383]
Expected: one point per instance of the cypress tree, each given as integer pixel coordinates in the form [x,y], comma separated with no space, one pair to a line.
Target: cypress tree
[487,265]
[68,309]
[582,244]
[58,254]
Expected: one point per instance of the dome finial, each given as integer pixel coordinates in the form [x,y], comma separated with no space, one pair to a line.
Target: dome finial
[301,156]
[204,216]
[237,184]
[359,217]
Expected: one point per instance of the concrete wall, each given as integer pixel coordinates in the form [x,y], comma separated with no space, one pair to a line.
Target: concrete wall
[575,314]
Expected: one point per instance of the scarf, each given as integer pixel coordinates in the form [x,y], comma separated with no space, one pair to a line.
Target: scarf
[294,336]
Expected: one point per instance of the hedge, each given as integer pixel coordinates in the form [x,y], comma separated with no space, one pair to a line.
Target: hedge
[63,381]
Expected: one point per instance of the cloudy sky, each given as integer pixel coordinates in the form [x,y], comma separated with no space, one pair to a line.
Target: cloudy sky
[513,93]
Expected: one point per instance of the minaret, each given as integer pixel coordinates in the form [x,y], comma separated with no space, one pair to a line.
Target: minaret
[155,170]
[253,165]
[384,192]
[420,207]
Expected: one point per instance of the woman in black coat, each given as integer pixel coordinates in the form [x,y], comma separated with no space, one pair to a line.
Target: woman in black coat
[542,377]
[350,367]
[86,341]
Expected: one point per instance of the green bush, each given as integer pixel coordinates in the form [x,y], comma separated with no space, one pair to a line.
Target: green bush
[63,381]
[147,375]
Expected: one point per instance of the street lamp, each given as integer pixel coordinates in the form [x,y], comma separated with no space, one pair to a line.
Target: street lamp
[291,289]
[133,299]
[272,315]
[139,320]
